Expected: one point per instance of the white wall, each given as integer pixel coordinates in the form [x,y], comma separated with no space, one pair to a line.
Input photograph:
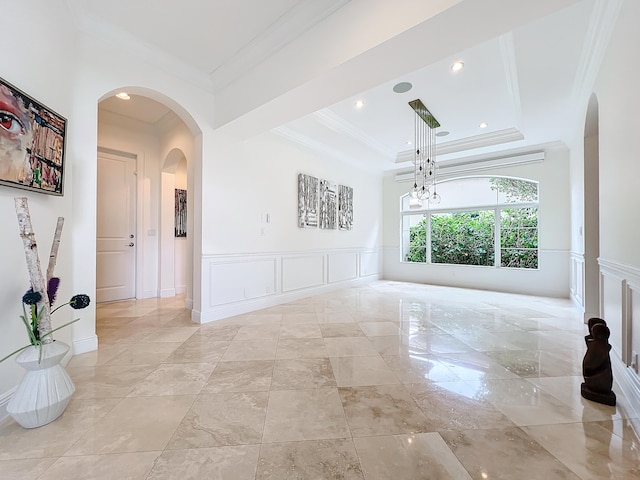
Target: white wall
[619,102]
[551,279]
[261,176]
[250,262]
[577,267]
[54,91]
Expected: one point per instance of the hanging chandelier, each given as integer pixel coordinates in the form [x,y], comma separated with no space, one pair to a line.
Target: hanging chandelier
[424,157]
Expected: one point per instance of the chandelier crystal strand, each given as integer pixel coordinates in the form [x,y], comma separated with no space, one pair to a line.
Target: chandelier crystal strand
[434,198]
[426,167]
[424,158]
[414,200]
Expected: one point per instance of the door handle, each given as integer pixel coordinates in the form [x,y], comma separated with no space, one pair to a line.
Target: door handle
[131,244]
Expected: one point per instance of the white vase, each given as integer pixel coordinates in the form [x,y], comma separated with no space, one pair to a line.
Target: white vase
[46,388]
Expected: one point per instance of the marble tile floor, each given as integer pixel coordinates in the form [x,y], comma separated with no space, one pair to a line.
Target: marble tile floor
[384,381]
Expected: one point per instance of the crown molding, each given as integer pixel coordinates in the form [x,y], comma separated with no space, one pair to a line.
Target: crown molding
[601,24]
[469,143]
[296,21]
[508,51]
[338,124]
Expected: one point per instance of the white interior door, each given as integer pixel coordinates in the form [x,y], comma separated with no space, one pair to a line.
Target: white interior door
[116,228]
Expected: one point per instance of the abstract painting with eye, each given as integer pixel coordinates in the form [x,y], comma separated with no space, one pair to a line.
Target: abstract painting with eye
[10,123]
[32,139]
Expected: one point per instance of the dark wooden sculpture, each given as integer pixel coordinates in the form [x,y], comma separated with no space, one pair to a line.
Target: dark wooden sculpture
[596,366]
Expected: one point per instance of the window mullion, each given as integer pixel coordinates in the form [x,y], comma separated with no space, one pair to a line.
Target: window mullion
[428,232]
[497,249]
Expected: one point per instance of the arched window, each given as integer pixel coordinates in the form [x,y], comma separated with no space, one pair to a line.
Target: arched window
[489,221]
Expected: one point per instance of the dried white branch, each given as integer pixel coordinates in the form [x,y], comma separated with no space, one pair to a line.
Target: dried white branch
[53,256]
[33,267]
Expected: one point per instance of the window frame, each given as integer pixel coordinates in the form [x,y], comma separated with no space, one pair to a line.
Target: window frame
[497,208]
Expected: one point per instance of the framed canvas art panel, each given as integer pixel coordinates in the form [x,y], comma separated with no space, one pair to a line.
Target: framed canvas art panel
[32,143]
[181,213]
[328,205]
[345,207]
[307,201]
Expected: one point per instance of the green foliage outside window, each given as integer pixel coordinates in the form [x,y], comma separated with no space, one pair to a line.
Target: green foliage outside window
[464,238]
[519,237]
[515,190]
[418,242]
[467,238]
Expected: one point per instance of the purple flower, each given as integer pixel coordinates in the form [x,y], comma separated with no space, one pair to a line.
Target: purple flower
[52,289]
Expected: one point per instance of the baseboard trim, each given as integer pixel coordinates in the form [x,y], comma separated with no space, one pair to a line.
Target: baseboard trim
[5,418]
[168,292]
[85,345]
[578,304]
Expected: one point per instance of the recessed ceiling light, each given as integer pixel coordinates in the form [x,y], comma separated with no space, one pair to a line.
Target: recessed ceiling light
[402,87]
[358,103]
[123,96]
[408,142]
[443,133]
[457,66]
[484,125]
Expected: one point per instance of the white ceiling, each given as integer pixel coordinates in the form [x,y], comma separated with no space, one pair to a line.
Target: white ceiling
[526,84]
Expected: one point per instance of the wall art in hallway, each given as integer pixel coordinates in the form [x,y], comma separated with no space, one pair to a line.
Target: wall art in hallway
[31,143]
[307,201]
[345,207]
[328,205]
[181,213]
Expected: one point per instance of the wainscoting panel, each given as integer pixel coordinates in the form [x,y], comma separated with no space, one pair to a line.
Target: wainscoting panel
[237,284]
[633,320]
[342,266]
[240,280]
[370,263]
[577,279]
[612,292]
[620,300]
[302,271]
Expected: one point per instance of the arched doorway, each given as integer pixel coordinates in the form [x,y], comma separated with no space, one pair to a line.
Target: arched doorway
[146,129]
[592,306]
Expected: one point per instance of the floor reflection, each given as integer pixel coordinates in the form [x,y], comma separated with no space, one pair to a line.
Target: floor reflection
[385,380]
